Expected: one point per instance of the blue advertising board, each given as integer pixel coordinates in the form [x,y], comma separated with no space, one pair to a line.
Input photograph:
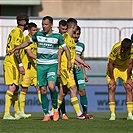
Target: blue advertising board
[97,99]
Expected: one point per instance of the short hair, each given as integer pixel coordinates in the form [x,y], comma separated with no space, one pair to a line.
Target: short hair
[71,22]
[31,24]
[78,28]
[126,43]
[22,16]
[49,18]
[63,22]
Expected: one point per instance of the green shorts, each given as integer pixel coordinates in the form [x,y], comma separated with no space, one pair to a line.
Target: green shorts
[79,78]
[46,73]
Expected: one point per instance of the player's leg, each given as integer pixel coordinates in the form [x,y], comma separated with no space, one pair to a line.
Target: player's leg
[52,78]
[42,83]
[111,94]
[129,100]
[11,79]
[38,93]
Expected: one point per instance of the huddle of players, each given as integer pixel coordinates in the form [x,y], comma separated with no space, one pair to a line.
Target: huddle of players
[24,62]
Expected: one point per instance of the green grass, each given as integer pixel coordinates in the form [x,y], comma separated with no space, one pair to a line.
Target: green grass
[100,124]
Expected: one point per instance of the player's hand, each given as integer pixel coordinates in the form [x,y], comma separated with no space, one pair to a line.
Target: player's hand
[10,52]
[21,70]
[129,81]
[86,78]
[111,83]
[87,66]
[69,66]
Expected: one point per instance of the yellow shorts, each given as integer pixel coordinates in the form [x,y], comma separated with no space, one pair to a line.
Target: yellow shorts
[11,74]
[30,77]
[118,74]
[67,78]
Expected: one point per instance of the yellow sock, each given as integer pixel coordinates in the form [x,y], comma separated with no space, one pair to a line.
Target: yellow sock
[39,96]
[112,107]
[129,107]
[15,102]
[22,98]
[75,104]
[8,101]
[59,103]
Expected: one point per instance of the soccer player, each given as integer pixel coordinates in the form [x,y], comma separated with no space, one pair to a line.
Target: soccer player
[67,77]
[29,61]
[62,29]
[13,67]
[47,62]
[119,66]
[80,74]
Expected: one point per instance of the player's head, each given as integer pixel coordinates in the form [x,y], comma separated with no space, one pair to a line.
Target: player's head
[62,26]
[76,34]
[47,24]
[126,45]
[23,20]
[72,23]
[32,28]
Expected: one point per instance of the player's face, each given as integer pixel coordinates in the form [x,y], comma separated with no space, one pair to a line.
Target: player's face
[76,35]
[47,26]
[62,29]
[32,31]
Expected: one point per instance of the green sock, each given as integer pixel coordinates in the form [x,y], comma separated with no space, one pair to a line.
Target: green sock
[62,107]
[54,98]
[45,103]
[84,104]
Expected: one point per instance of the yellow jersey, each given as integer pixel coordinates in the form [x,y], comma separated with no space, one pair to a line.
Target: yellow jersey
[25,58]
[120,59]
[16,37]
[72,48]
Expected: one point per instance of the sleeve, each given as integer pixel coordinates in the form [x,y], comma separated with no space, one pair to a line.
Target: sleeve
[34,38]
[83,50]
[112,54]
[18,37]
[61,41]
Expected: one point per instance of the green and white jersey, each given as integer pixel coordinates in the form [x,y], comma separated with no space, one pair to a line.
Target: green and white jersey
[48,45]
[80,47]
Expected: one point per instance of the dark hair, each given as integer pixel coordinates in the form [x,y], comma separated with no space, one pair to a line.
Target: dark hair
[126,43]
[22,16]
[49,18]
[31,24]
[71,22]
[78,28]
[63,22]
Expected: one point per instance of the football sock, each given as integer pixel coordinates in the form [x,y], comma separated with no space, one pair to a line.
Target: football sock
[75,104]
[112,107]
[59,103]
[8,101]
[15,102]
[22,99]
[129,107]
[84,103]
[62,107]
[54,97]
[39,96]
[45,103]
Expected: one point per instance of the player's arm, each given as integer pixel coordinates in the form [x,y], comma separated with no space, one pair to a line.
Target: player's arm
[17,56]
[111,75]
[30,54]
[129,71]
[84,71]
[69,65]
[82,62]
[23,45]
[59,61]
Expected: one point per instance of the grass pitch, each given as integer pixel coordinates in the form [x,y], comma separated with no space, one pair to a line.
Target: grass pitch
[100,124]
